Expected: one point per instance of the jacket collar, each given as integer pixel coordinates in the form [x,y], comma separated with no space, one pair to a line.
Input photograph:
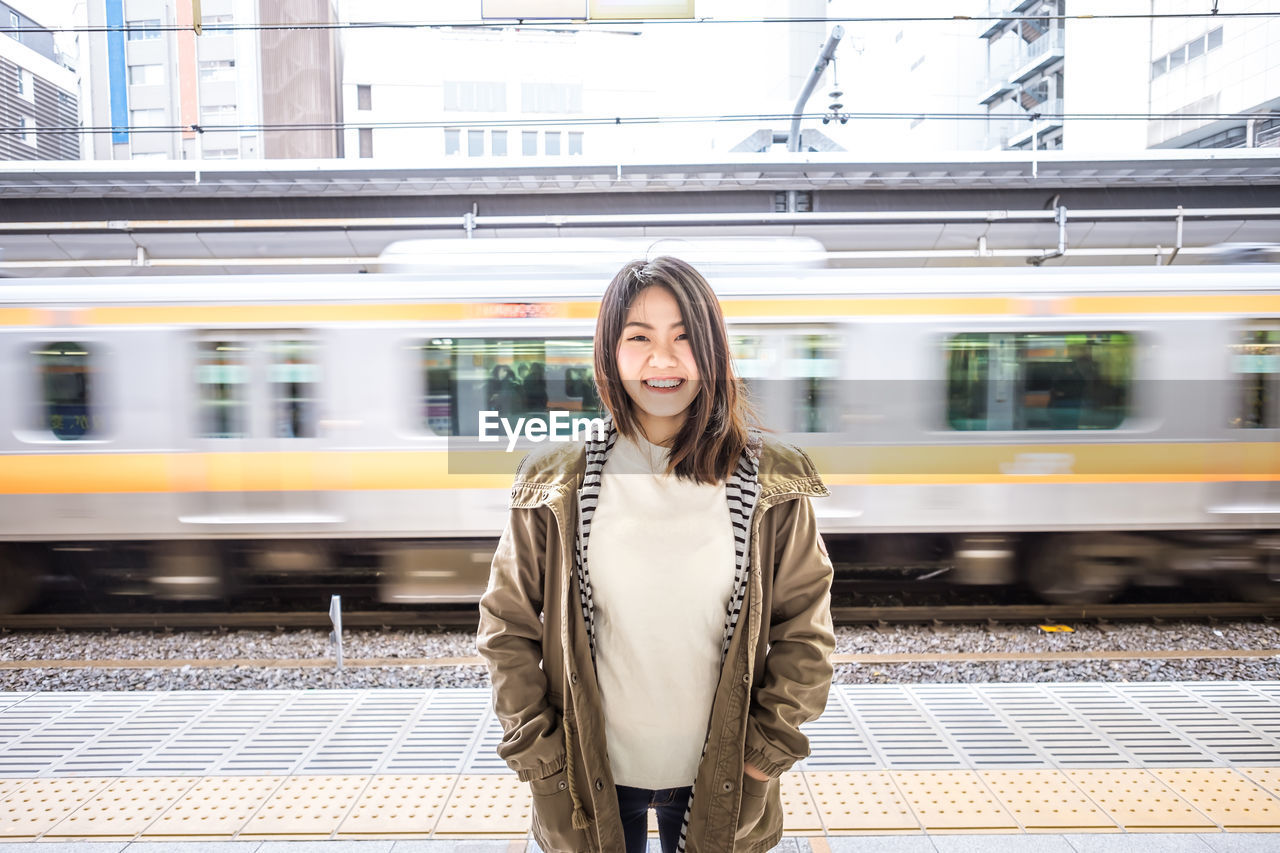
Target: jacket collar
[551,474]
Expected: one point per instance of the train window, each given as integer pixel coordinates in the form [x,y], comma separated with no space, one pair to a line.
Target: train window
[811,374]
[66,380]
[751,362]
[221,374]
[1038,380]
[515,377]
[1255,360]
[295,375]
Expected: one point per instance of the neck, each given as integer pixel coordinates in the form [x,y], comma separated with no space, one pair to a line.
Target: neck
[660,431]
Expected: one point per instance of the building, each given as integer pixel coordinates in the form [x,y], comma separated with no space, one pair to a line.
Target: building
[1204,77]
[224,94]
[526,93]
[1024,75]
[1205,66]
[38,92]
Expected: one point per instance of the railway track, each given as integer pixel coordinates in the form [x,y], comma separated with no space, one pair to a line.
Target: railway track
[462,617]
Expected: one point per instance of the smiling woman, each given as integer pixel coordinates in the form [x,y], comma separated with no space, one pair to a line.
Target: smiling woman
[688,521]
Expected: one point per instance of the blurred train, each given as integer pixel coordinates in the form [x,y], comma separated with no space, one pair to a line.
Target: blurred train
[1073,429]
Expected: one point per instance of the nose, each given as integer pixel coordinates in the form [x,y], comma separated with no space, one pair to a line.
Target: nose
[662,356]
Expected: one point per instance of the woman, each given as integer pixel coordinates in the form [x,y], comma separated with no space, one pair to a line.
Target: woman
[657,623]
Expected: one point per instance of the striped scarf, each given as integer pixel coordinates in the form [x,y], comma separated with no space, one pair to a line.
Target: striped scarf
[742,488]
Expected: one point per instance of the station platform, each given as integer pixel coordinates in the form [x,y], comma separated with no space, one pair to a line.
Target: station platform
[928,767]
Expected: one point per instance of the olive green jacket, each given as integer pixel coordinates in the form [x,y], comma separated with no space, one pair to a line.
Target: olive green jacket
[775,677]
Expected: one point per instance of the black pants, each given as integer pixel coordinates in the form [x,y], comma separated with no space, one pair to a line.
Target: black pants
[634,805]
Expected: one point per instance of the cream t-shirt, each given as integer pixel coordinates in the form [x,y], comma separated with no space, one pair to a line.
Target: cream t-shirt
[661,560]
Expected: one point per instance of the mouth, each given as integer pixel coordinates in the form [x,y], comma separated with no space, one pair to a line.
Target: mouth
[664,384]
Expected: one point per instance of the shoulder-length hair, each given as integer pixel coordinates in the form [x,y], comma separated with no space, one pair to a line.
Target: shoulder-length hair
[707,447]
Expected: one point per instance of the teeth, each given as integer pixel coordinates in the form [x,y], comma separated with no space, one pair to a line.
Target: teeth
[662,383]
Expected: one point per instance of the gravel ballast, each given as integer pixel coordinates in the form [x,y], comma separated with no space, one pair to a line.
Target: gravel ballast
[364,644]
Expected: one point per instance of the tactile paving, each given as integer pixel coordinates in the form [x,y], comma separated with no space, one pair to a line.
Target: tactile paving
[305,807]
[41,803]
[488,805]
[1139,801]
[1267,777]
[1225,797]
[216,807]
[799,814]
[8,786]
[861,801]
[398,807]
[122,810]
[1047,801]
[953,801]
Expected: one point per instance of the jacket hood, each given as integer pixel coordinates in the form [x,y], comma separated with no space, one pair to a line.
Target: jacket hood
[550,471]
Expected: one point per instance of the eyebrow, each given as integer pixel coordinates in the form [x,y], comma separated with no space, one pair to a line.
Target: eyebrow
[647,326]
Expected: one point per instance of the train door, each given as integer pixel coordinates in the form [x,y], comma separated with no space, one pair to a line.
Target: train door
[257,419]
[1254,398]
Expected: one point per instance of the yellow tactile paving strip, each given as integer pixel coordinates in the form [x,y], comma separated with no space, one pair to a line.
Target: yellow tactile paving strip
[122,810]
[1140,802]
[305,807]
[1045,800]
[953,801]
[864,800]
[1225,797]
[870,802]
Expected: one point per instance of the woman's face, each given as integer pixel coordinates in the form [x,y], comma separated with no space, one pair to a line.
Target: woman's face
[656,363]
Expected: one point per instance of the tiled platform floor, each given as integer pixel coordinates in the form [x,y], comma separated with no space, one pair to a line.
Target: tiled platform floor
[923,767]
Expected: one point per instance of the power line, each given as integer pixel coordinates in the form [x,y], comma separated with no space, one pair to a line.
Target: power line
[618,121]
[607,24]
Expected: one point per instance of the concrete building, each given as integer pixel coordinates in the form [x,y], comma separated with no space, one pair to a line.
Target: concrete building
[38,91]
[1025,75]
[171,94]
[1180,68]
[1203,65]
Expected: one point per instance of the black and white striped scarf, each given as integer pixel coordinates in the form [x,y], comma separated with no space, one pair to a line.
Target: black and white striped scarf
[742,488]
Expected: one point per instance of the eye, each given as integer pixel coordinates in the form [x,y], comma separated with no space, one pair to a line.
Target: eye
[683,336]
[637,338]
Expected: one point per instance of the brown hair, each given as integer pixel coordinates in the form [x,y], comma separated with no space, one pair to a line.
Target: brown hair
[714,434]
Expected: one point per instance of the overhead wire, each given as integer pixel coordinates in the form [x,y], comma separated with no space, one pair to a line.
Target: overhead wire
[563,23]
[605,121]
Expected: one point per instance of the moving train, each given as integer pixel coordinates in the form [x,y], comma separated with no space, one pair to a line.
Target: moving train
[1074,429]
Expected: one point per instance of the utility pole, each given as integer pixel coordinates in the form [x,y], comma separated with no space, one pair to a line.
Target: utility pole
[825,56]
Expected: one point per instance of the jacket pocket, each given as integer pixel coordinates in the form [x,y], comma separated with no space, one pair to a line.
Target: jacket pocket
[754,794]
[553,815]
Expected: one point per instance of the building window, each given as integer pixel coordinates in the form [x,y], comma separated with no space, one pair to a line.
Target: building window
[575,142]
[146,118]
[15,20]
[28,125]
[206,20]
[553,143]
[366,142]
[1215,38]
[499,143]
[218,114]
[551,98]
[1177,58]
[143,30]
[146,75]
[1195,49]
[26,85]
[917,63]
[1159,67]
[220,154]
[213,70]
[66,383]
[475,97]
[529,143]
[452,141]
[475,143]
[364,97]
